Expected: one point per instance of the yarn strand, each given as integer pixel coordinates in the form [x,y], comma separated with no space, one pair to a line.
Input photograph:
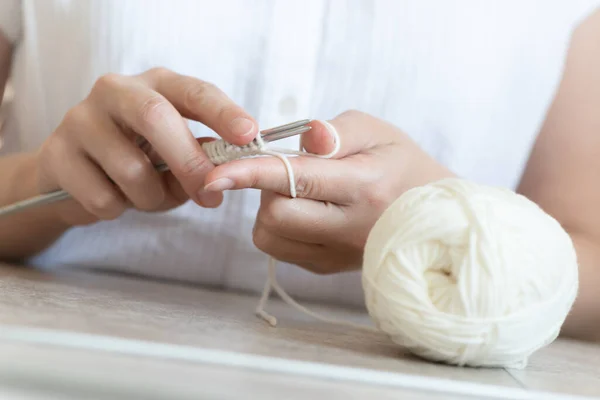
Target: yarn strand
[221,152]
[262,303]
[271,282]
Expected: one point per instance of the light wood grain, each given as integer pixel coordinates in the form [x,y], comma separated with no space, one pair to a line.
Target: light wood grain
[565,366]
[138,309]
[192,316]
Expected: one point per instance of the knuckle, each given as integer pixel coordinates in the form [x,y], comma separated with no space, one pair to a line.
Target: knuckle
[304,187]
[226,112]
[107,82]
[269,219]
[52,153]
[194,165]
[352,114]
[158,71]
[261,239]
[106,205]
[377,194]
[56,147]
[198,94]
[371,184]
[152,111]
[308,186]
[272,215]
[136,171]
[76,118]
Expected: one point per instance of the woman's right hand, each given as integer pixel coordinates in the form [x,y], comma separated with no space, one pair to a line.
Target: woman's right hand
[94,155]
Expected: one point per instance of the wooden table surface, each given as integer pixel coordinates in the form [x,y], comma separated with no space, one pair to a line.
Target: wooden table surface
[77,334]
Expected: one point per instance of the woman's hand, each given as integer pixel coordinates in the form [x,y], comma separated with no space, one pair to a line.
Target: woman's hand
[339,200]
[94,156]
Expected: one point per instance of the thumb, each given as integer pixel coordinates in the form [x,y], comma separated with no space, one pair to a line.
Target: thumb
[356,132]
[322,139]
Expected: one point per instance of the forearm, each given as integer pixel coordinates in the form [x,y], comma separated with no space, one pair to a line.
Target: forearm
[563,170]
[5,62]
[584,320]
[26,233]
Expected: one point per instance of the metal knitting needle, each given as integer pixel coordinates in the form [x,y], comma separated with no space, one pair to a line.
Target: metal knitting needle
[268,135]
[285,128]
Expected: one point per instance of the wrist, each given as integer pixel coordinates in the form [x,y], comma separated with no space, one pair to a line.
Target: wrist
[427,169]
[25,183]
[28,232]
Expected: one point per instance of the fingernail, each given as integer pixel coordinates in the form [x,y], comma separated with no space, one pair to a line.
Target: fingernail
[219,185]
[209,199]
[335,139]
[241,127]
[330,128]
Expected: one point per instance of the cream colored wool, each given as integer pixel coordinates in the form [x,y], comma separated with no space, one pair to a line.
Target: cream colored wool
[469,275]
[454,271]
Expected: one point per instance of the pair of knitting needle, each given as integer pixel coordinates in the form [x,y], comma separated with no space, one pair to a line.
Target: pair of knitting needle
[267,135]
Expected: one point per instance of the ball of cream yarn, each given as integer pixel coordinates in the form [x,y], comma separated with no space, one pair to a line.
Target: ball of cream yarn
[469,275]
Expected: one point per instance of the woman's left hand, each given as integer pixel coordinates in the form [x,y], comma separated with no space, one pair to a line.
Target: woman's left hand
[338,200]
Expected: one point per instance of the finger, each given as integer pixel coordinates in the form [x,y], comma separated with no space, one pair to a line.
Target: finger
[314,178]
[358,132]
[284,249]
[153,155]
[150,115]
[175,195]
[204,102]
[312,257]
[303,220]
[126,164]
[74,214]
[321,139]
[87,184]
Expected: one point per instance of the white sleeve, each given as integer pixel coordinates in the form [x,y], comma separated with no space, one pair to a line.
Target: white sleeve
[10,19]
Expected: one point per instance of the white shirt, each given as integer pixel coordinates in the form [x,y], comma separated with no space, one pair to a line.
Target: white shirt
[470,81]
